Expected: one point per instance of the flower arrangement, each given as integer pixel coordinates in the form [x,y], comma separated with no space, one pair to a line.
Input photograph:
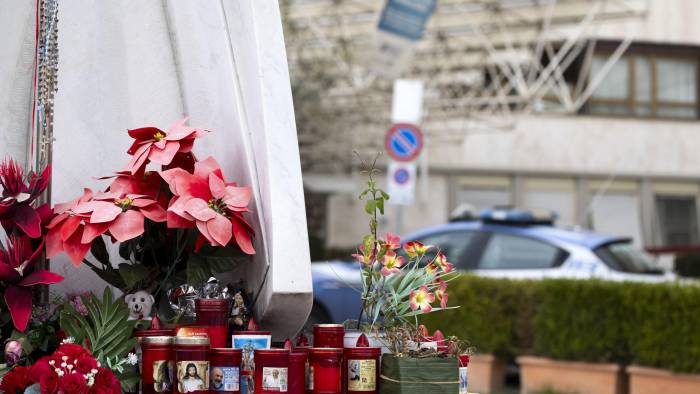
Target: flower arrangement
[399,282]
[179,223]
[70,369]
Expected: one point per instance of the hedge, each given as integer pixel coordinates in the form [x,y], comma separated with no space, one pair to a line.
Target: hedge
[655,325]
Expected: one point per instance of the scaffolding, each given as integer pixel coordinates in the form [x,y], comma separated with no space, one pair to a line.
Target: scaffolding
[483,63]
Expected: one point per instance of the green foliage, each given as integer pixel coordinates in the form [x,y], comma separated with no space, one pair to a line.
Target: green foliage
[653,325]
[688,265]
[494,314]
[106,330]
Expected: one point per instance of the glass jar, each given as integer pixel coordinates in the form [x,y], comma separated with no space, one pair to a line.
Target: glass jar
[329,335]
[192,364]
[158,365]
[297,371]
[326,368]
[224,370]
[214,314]
[463,376]
[362,369]
[271,371]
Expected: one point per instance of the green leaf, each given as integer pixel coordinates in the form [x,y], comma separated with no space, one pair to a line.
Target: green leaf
[132,274]
[380,205]
[197,270]
[385,195]
[370,206]
[99,251]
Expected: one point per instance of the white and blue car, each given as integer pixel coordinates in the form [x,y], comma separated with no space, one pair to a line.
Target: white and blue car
[501,243]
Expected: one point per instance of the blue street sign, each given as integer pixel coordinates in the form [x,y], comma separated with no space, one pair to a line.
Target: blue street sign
[406,18]
[403,142]
[401,176]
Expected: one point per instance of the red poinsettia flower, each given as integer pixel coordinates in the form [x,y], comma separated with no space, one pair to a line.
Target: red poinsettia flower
[18,194]
[204,200]
[121,216]
[17,272]
[153,144]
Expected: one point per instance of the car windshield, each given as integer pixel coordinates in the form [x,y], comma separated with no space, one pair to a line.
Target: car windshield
[623,256]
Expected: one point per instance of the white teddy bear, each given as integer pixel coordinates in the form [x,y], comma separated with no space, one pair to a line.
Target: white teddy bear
[140,304]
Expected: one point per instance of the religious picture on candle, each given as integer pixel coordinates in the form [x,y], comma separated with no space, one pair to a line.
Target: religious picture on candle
[192,376]
[224,378]
[163,375]
[362,375]
[274,379]
[463,380]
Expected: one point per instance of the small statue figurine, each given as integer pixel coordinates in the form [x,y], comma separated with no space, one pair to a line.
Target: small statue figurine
[240,314]
[140,305]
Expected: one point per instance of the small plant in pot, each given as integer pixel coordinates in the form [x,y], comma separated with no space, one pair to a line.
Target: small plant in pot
[400,283]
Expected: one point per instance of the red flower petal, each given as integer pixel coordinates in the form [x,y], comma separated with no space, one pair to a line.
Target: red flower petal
[139,159]
[220,229]
[127,226]
[93,230]
[164,156]
[19,301]
[176,221]
[7,273]
[203,168]
[141,202]
[243,238]
[202,226]
[144,133]
[172,176]
[69,226]
[216,186]
[75,249]
[237,197]
[154,212]
[186,145]
[54,243]
[179,131]
[43,277]
[28,220]
[104,211]
[199,210]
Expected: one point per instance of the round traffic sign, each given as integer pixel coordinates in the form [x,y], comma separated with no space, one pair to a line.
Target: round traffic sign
[401,176]
[403,142]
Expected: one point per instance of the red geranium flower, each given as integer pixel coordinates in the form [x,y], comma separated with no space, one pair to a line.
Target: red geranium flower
[105,383]
[153,144]
[214,206]
[49,383]
[73,383]
[16,380]
[17,271]
[18,194]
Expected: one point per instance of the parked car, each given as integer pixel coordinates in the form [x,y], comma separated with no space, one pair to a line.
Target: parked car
[500,243]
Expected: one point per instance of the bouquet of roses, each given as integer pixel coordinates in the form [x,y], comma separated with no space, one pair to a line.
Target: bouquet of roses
[179,223]
[70,369]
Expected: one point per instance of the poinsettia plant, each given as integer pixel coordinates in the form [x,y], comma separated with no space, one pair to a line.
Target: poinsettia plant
[23,221]
[399,282]
[180,222]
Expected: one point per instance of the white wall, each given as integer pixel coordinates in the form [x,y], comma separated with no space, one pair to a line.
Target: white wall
[125,64]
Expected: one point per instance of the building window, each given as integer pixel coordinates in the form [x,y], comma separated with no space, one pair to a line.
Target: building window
[677,220]
[647,84]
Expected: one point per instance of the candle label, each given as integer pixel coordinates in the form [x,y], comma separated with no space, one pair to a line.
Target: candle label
[362,375]
[163,375]
[224,378]
[309,376]
[463,380]
[192,376]
[274,379]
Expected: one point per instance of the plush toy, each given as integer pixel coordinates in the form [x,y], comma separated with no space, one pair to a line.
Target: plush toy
[140,304]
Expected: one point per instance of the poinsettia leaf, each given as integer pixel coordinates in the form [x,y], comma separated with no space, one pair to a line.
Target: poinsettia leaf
[197,270]
[99,251]
[132,274]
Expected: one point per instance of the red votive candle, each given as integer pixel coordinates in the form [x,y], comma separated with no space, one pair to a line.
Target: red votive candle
[362,369]
[271,371]
[329,335]
[297,371]
[326,368]
[214,314]
[463,376]
[192,365]
[158,364]
[224,370]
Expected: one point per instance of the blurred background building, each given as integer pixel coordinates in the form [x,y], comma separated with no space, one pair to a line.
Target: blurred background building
[587,108]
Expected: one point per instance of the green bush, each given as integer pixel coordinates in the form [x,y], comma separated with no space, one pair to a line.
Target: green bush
[655,325]
[494,314]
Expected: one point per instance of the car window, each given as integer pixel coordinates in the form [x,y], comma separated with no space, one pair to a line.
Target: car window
[506,251]
[625,257]
[452,243]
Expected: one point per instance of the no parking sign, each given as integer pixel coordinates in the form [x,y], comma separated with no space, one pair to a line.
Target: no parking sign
[403,142]
[401,182]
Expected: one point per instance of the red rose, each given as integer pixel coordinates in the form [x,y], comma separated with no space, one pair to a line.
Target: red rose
[49,383]
[72,350]
[16,380]
[85,364]
[40,368]
[106,383]
[74,383]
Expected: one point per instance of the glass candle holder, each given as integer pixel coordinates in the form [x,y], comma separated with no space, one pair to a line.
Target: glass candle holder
[362,369]
[329,335]
[463,376]
[271,371]
[192,365]
[214,314]
[158,365]
[224,370]
[297,371]
[326,367]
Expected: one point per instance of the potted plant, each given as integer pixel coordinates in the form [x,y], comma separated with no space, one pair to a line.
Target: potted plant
[400,283]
